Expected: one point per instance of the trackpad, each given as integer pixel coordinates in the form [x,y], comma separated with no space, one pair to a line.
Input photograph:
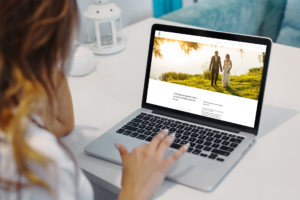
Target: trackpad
[168,153]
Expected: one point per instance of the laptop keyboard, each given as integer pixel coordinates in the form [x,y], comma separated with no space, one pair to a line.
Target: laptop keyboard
[203,141]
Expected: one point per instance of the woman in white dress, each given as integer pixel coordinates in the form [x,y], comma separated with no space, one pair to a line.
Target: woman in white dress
[226,71]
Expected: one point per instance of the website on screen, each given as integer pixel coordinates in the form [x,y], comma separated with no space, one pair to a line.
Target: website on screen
[210,77]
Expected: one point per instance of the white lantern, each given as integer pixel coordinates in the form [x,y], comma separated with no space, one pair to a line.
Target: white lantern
[104,27]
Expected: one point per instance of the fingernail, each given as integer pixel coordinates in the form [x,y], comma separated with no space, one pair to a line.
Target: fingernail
[117,146]
[173,134]
[187,145]
[167,131]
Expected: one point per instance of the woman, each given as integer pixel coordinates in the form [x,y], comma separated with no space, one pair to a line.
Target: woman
[226,71]
[36,109]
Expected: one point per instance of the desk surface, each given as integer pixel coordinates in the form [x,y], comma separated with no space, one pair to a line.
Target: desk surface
[270,170]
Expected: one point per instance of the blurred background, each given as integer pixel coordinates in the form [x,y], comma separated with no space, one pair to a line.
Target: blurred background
[276,19]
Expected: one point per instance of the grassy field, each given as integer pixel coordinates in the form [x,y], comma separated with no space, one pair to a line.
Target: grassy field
[246,85]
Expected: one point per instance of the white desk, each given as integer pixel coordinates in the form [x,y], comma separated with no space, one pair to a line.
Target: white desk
[270,170]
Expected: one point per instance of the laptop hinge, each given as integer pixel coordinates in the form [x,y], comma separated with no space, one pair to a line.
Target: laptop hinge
[197,121]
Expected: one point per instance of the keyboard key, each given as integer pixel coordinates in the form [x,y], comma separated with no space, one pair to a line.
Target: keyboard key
[148,128]
[223,153]
[195,130]
[120,130]
[148,133]
[165,127]
[180,127]
[134,134]
[130,128]
[171,120]
[200,127]
[177,135]
[225,148]
[233,145]
[180,131]
[177,141]
[193,126]
[202,137]
[184,138]
[157,117]
[235,140]
[149,139]
[232,135]
[187,133]
[151,124]
[149,115]
[239,137]
[199,141]
[187,128]
[143,114]
[141,131]
[215,145]
[206,148]
[145,122]
[167,123]
[139,117]
[225,138]
[192,139]
[127,132]
[220,159]
[210,134]
[159,121]
[146,118]
[202,132]
[196,151]
[217,141]
[199,147]
[185,124]
[183,142]
[213,156]
[190,150]
[172,130]
[177,122]
[218,136]
[158,126]
[222,133]
[142,126]
[209,139]
[141,137]
[173,125]
[153,134]
[216,131]
[225,143]
[137,120]
[153,120]
[156,130]
[203,154]
[207,129]
[195,135]
[192,144]
[207,143]
[175,146]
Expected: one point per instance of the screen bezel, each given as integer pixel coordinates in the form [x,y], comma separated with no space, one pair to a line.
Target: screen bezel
[217,35]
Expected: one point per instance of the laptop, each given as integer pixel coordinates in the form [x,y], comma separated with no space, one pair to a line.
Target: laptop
[205,86]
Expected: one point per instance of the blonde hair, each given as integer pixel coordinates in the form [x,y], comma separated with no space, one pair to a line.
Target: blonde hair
[35,37]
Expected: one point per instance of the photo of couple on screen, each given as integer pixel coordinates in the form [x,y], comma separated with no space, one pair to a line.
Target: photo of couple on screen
[217,68]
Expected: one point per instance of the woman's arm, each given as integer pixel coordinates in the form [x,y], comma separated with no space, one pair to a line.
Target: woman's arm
[230,67]
[61,116]
[145,168]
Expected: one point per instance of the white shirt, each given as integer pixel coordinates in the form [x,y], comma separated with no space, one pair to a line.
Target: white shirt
[216,58]
[61,179]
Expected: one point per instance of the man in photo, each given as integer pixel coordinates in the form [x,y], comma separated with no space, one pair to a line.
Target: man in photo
[214,65]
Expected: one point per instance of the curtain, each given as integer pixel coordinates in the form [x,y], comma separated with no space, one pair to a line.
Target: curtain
[162,7]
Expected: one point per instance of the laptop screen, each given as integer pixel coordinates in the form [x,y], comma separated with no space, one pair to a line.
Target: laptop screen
[210,77]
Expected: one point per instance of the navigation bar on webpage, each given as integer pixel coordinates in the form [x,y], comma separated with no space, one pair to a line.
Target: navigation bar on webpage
[212,41]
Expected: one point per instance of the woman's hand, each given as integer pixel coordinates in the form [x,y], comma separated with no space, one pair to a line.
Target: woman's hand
[144,168]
